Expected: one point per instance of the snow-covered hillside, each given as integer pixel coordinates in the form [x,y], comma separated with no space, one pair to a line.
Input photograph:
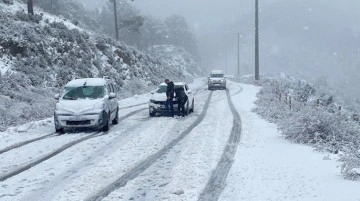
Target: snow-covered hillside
[40,53]
[177,57]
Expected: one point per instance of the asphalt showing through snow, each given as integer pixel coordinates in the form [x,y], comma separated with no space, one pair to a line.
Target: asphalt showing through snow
[216,184]
[145,164]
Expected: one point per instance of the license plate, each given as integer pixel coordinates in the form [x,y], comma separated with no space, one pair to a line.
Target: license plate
[75,118]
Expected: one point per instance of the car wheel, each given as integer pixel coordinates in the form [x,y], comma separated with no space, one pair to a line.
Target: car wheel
[151,113]
[116,120]
[106,127]
[192,106]
[60,130]
[187,108]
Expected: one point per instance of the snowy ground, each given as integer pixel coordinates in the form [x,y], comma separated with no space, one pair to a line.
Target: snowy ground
[5,63]
[267,167]
[161,158]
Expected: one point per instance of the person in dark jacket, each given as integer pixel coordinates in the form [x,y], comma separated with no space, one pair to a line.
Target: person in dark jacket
[169,105]
[182,98]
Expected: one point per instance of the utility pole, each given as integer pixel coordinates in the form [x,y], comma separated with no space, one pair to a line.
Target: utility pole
[30,7]
[257,73]
[238,54]
[116,20]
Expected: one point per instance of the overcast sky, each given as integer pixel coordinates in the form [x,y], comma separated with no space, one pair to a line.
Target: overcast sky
[199,13]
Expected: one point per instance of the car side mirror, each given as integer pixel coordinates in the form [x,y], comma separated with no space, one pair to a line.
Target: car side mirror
[112,95]
[225,77]
[152,92]
[208,77]
[189,92]
[57,96]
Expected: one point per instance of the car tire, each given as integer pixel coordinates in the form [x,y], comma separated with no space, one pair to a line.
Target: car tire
[60,130]
[187,111]
[116,120]
[106,127]
[152,114]
[192,106]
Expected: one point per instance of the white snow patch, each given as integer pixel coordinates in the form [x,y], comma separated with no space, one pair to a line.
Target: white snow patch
[5,64]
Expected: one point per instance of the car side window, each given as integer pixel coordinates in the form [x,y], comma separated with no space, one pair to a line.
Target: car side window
[186,87]
[109,88]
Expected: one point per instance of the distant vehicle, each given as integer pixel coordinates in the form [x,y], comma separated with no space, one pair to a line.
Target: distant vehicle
[216,80]
[86,102]
[158,99]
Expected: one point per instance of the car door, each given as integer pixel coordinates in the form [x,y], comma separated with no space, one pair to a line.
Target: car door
[112,102]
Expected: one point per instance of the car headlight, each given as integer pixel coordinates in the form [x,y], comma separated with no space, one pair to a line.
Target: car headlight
[59,106]
[60,111]
[100,105]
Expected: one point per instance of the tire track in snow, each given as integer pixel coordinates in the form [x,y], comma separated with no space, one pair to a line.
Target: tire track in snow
[216,184]
[57,184]
[146,163]
[20,144]
[169,177]
[131,106]
[59,150]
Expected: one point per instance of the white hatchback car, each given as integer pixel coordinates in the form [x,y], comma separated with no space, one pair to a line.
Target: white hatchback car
[86,102]
[158,99]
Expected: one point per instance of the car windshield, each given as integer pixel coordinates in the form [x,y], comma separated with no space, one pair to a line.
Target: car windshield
[161,89]
[83,92]
[217,75]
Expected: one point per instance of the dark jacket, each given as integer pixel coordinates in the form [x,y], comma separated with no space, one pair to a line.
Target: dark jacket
[170,90]
[181,95]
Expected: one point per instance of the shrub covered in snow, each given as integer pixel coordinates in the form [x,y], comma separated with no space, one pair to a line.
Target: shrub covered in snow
[320,124]
[9,2]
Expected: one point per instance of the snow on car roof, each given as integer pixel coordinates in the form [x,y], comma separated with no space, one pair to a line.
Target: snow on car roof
[88,81]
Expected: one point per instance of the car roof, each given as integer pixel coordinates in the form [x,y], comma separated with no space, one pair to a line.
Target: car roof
[86,82]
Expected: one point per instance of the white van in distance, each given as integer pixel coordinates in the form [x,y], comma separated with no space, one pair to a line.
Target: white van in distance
[216,80]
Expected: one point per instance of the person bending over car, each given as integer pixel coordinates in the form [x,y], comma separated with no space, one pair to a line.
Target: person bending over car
[169,105]
[182,98]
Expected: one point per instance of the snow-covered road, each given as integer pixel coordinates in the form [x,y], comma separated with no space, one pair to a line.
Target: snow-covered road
[162,158]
